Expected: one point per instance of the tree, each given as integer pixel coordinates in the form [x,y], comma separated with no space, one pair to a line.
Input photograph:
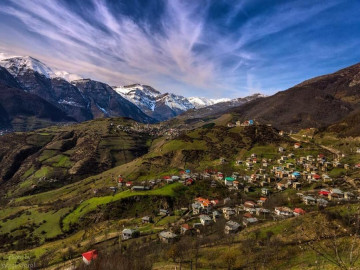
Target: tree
[230,258]
[336,240]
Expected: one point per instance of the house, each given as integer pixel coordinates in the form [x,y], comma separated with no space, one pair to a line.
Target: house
[315,177]
[229,181]
[231,227]
[297,145]
[280,186]
[164,212]
[249,204]
[121,181]
[296,175]
[89,256]
[167,237]
[139,188]
[265,191]
[228,213]
[262,211]
[216,215]
[189,182]
[296,185]
[113,189]
[129,184]
[308,200]
[281,149]
[205,204]
[324,192]
[326,178]
[185,229]
[146,219]
[338,192]
[205,220]
[283,211]
[322,202]
[129,233]
[298,212]
[196,208]
[261,201]
[249,221]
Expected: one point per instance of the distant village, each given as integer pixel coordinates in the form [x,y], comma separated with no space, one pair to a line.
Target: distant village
[304,178]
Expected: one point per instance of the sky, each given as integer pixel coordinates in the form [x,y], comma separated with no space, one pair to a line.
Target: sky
[208,48]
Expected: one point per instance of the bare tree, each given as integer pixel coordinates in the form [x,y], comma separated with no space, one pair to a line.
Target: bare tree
[334,242]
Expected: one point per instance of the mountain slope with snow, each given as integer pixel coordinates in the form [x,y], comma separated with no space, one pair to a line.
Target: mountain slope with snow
[165,106]
[19,65]
[153,103]
[200,102]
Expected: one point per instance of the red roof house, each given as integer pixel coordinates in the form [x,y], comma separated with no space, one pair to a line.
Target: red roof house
[324,192]
[299,211]
[89,256]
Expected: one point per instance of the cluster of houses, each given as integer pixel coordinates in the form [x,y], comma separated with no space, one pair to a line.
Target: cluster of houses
[261,178]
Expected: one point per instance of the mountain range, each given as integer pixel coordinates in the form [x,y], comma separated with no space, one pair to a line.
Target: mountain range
[77,99]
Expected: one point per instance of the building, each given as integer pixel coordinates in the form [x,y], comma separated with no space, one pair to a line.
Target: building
[89,256]
[185,229]
[231,227]
[205,220]
[167,237]
[146,219]
[128,234]
[249,221]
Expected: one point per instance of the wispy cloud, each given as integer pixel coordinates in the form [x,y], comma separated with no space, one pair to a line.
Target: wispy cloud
[183,47]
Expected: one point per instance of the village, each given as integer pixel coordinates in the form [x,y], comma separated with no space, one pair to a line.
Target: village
[260,189]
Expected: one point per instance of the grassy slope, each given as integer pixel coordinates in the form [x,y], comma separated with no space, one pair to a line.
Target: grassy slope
[91,204]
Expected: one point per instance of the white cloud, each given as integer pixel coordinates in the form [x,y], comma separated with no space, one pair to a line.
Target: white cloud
[117,49]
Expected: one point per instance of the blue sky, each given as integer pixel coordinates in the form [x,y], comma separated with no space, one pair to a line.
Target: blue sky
[219,48]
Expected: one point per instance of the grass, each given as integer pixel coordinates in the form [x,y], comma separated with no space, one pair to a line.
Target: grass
[182,145]
[60,161]
[91,204]
[47,221]
[337,172]
[46,154]
[29,172]
[167,220]
[43,171]
[266,151]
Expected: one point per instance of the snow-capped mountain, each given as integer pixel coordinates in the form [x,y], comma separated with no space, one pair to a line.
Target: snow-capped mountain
[18,65]
[81,99]
[200,102]
[165,106]
[84,99]
[153,103]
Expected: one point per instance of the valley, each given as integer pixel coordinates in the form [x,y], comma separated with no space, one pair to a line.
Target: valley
[238,170]
[179,135]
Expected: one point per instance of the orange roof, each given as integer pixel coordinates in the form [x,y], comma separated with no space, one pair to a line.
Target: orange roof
[248,215]
[263,199]
[186,226]
[299,211]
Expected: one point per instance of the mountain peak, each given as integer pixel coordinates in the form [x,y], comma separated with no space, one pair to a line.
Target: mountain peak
[19,65]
